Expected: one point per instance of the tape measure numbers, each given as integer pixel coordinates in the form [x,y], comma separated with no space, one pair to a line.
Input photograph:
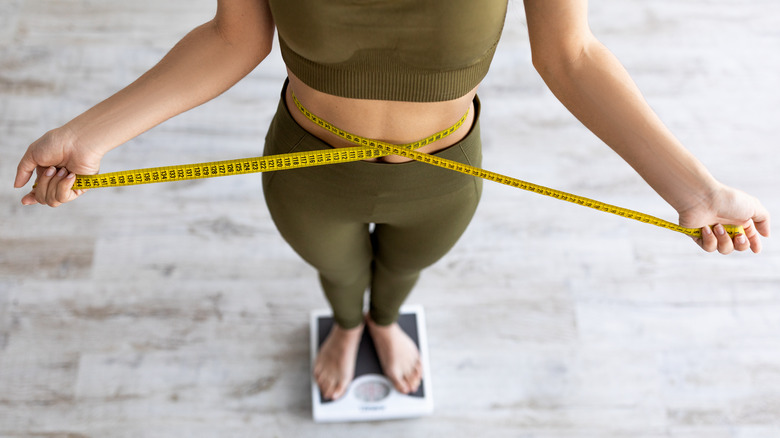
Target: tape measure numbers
[224,168]
[508,180]
[367,148]
[251,165]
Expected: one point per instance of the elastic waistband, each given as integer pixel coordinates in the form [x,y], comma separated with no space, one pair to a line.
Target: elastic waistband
[362,177]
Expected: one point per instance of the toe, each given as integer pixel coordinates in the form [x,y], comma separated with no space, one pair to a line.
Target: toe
[418,373]
[326,383]
[339,390]
[413,378]
[328,389]
[411,384]
[400,383]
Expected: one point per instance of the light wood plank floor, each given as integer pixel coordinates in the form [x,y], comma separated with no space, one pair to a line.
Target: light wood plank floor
[177,310]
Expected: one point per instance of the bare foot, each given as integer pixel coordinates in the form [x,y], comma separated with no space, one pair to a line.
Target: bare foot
[398,355]
[334,367]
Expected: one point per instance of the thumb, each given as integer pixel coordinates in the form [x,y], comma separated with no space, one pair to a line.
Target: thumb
[761,220]
[24,170]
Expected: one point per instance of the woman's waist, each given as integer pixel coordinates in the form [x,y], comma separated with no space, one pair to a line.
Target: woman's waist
[388,121]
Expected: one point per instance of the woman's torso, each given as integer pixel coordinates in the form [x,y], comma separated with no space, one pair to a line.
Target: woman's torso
[390,121]
[391,70]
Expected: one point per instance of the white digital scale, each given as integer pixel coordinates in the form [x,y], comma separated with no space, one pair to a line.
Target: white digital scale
[371,396]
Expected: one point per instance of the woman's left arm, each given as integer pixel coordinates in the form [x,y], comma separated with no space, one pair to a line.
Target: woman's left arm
[587,78]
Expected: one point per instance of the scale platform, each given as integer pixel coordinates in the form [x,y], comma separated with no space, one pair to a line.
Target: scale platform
[371,396]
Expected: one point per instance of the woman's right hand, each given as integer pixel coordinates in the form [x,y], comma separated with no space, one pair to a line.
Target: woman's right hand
[56,158]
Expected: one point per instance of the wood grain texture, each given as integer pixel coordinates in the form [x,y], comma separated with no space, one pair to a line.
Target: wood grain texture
[177,310]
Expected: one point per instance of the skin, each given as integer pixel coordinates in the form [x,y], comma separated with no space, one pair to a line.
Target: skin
[390,121]
[335,364]
[577,68]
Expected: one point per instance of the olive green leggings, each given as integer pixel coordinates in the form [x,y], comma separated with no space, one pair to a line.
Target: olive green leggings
[326,213]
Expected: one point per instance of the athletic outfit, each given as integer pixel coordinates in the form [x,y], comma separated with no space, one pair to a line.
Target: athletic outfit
[402,50]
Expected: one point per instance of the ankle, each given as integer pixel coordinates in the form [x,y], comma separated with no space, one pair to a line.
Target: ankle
[381,321]
[348,332]
[375,328]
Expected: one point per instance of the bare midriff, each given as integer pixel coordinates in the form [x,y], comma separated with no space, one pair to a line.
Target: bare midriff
[390,121]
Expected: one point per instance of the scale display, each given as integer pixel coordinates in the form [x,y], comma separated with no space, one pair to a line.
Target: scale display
[371,396]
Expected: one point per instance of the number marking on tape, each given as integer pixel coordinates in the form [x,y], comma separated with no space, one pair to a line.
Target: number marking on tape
[366,149]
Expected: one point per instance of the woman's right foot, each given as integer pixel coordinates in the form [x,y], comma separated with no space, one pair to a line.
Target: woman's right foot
[334,367]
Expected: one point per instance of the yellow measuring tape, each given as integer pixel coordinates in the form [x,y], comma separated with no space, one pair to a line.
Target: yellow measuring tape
[249,165]
[367,148]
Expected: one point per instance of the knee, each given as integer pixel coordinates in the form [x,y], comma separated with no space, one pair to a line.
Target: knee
[400,267]
[344,275]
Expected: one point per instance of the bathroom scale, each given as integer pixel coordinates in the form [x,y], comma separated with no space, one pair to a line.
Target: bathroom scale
[371,396]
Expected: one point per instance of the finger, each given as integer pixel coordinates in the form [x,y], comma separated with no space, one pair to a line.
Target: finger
[741,242]
[24,171]
[53,189]
[725,244]
[42,184]
[761,220]
[66,186]
[65,191]
[753,236]
[708,241]
[61,188]
[29,199]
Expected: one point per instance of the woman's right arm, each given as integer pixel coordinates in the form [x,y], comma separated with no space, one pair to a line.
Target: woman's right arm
[205,63]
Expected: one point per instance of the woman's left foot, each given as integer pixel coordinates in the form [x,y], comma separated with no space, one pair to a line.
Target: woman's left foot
[398,355]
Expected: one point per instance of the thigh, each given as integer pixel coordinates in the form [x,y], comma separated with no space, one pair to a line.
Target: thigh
[422,232]
[313,208]
[321,233]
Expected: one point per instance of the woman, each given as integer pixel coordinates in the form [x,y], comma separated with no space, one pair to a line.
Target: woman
[395,71]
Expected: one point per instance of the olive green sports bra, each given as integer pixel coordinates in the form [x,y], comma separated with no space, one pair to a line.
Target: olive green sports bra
[403,50]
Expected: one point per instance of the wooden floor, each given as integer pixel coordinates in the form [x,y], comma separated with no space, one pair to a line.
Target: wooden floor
[177,310]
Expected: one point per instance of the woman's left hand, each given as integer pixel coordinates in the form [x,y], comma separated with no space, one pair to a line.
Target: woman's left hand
[728,206]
